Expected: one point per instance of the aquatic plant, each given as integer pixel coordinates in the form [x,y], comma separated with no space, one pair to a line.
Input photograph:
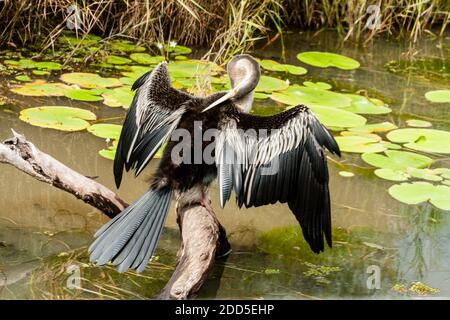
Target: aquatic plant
[228,27]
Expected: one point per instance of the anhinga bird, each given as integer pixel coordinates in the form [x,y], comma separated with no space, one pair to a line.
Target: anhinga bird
[295,138]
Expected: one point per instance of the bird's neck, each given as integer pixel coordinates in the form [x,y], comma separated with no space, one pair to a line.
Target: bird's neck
[245,103]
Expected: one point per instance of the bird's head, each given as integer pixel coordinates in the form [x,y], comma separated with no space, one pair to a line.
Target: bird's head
[244,73]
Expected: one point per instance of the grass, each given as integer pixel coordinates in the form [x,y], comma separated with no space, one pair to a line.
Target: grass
[227,27]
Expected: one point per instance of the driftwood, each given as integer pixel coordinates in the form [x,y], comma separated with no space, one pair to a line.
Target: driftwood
[203,238]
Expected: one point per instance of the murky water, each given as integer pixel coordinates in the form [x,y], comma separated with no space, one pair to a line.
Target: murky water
[44,231]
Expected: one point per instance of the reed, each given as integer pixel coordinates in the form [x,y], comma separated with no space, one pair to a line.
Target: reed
[226,27]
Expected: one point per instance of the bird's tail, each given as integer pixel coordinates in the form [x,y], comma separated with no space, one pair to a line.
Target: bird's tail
[130,238]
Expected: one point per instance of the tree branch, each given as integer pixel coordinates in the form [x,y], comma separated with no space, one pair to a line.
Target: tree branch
[23,155]
[203,238]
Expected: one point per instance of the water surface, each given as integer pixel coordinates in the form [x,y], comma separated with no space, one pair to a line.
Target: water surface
[43,231]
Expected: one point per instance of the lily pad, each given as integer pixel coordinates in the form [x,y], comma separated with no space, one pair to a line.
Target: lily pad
[272,65]
[425,174]
[145,58]
[41,88]
[85,40]
[346,174]
[270,84]
[418,123]
[311,96]
[109,153]
[428,140]
[23,78]
[48,65]
[106,130]
[327,59]
[363,105]
[358,144]
[126,46]
[418,192]
[21,64]
[333,117]
[438,96]
[391,175]
[176,49]
[83,95]
[58,117]
[444,172]
[375,127]
[112,59]
[192,68]
[260,95]
[118,97]
[397,160]
[90,80]
[40,72]
[317,85]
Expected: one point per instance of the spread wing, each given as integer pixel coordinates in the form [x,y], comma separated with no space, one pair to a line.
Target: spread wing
[278,158]
[155,111]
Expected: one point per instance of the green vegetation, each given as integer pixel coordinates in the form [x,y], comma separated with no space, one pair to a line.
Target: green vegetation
[227,27]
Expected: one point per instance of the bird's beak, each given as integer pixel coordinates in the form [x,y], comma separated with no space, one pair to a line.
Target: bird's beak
[231,94]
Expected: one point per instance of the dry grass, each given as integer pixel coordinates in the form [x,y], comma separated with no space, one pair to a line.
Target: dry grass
[225,26]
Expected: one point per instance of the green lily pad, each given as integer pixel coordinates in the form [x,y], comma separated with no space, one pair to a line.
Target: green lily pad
[86,40]
[333,117]
[58,117]
[363,105]
[375,127]
[317,85]
[145,58]
[270,84]
[272,65]
[82,95]
[358,144]
[311,96]
[192,68]
[327,59]
[418,192]
[112,59]
[260,95]
[397,160]
[391,175]
[126,46]
[90,80]
[48,65]
[23,78]
[20,64]
[106,130]
[118,97]
[127,81]
[425,174]
[438,96]
[391,145]
[40,72]
[346,174]
[108,153]
[41,88]
[428,140]
[418,123]
[446,182]
[444,172]
[177,49]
